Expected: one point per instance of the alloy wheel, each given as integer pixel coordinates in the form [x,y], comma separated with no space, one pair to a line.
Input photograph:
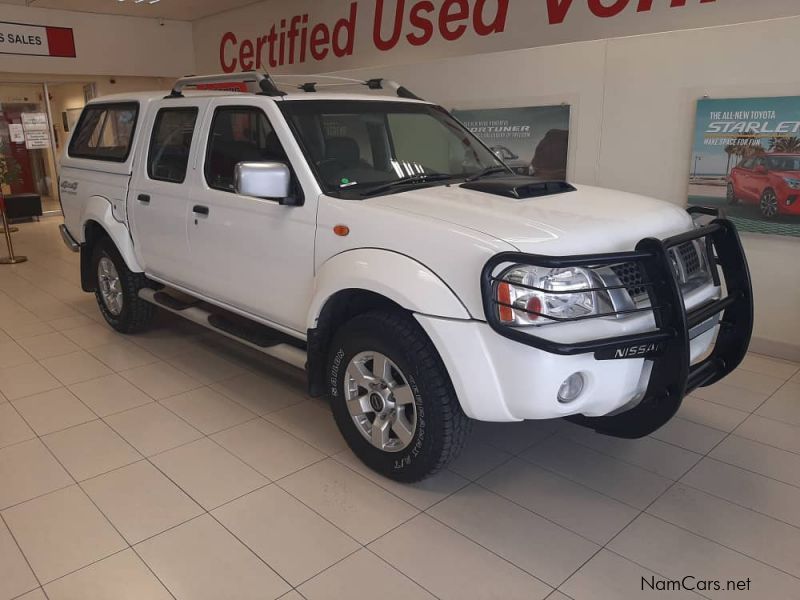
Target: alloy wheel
[769,204]
[110,286]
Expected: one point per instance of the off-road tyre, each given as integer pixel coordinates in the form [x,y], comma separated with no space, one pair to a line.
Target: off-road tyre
[136,314]
[442,427]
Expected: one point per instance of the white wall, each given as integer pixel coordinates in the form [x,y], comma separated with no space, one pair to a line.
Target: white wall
[634,101]
[106,45]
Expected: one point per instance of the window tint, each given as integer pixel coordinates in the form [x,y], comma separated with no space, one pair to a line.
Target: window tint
[239,134]
[105,132]
[170,144]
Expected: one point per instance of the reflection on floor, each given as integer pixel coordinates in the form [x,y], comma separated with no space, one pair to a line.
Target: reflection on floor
[177,464]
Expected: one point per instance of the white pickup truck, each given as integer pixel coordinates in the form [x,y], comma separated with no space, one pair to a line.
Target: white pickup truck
[373,241]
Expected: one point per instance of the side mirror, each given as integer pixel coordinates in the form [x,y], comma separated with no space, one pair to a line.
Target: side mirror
[270,180]
[762,170]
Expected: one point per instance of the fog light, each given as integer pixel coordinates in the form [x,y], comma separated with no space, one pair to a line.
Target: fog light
[571,388]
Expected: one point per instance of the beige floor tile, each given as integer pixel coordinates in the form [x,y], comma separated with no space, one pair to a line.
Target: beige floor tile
[767,365]
[26,328]
[770,432]
[28,470]
[48,345]
[205,366]
[571,505]
[260,394]
[12,428]
[649,453]
[313,423]
[745,488]
[65,323]
[784,405]
[711,414]
[268,449]
[556,595]
[287,535]
[207,410]
[152,429]
[36,594]
[622,481]
[477,459]
[351,502]
[110,394]
[122,576]
[122,355]
[25,380]
[93,335]
[140,501]
[452,567]
[675,552]
[729,395]
[760,458]
[90,449]
[53,411]
[507,530]
[209,473]
[76,367]
[12,354]
[160,380]
[422,494]
[689,435]
[16,577]
[200,560]
[515,437]
[358,576]
[164,343]
[293,595]
[738,528]
[610,577]
[62,532]
[754,382]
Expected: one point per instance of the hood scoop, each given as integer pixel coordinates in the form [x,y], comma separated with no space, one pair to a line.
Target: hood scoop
[519,188]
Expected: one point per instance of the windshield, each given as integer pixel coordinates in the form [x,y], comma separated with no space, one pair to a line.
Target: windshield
[783,163]
[362,148]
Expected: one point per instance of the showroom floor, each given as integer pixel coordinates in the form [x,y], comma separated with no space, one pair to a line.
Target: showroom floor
[176,464]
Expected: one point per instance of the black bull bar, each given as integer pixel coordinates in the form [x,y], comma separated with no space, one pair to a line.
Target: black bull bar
[668,345]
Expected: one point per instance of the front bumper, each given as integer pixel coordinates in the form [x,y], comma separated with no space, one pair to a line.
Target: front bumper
[666,350]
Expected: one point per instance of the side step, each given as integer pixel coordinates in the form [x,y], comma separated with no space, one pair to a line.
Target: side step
[259,337]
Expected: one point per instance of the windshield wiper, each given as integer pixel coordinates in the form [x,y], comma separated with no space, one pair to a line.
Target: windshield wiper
[416,179]
[488,171]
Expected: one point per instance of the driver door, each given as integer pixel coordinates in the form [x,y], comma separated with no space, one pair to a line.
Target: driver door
[251,254]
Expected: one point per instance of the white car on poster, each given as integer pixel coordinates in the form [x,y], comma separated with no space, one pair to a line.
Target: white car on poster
[373,241]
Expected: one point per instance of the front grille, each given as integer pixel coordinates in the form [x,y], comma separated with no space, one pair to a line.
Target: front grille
[688,266]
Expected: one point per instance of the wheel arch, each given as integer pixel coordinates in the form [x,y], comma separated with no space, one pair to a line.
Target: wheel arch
[99,223]
[359,281]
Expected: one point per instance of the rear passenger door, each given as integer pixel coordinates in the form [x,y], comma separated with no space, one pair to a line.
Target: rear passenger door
[158,205]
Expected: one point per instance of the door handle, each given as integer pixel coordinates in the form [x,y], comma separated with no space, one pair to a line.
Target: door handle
[200,210]
[144,198]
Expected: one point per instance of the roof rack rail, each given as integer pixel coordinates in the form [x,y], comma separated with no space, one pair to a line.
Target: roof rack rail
[264,81]
[269,87]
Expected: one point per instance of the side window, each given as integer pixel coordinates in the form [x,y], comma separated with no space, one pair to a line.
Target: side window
[170,145]
[239,134]
[748,163]
[105,132]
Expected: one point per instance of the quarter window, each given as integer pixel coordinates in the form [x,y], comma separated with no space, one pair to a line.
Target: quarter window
[239,134]
[168,158]
[105,132]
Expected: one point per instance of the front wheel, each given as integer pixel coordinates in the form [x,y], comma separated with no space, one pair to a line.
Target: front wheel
[769,204]
[117,290]
[392,397]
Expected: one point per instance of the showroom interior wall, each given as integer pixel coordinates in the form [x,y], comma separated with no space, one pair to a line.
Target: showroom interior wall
[106,44]
[633,102]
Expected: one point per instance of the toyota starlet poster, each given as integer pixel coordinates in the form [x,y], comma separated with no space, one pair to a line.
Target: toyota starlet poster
[746,161]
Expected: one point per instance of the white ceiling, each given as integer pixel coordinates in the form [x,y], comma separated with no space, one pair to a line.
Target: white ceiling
[182,10]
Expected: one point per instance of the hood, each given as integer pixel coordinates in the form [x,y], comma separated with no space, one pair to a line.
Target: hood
[586,220]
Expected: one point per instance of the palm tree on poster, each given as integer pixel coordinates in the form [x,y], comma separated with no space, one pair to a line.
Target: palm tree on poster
[730,150]
[788,145]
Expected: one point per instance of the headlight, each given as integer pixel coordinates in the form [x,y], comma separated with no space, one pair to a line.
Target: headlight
[792,182]
[528,295]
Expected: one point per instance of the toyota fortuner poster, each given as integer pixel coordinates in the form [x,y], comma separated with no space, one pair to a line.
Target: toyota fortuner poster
[530,140]
[746,160]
